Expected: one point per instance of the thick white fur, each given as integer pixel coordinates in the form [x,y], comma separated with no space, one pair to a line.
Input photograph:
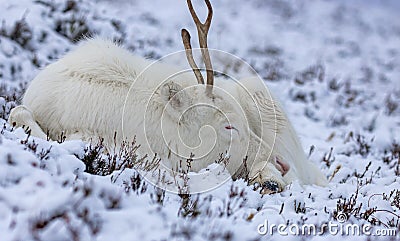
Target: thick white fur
[84,95]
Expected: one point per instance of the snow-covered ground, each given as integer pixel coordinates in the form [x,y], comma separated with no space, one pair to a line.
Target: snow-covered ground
[333,64]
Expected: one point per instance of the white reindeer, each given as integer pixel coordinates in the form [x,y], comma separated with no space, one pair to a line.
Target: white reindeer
[100,89]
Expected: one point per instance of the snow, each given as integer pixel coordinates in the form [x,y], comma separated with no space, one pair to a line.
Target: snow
[333,64]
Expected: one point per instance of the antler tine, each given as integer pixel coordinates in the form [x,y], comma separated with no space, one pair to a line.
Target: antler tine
[209,15]
[202,31]
[189,55]
[206,25]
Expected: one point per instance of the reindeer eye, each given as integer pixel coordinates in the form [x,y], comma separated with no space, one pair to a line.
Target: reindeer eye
[230,127]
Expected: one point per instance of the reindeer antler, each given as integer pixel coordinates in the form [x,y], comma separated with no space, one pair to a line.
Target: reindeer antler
[202,32]
[189,55]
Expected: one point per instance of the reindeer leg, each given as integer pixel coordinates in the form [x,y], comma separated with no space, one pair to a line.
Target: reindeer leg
[268,177]
[22,116]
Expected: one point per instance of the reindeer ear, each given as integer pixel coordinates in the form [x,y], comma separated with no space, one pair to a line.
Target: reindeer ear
[172,94]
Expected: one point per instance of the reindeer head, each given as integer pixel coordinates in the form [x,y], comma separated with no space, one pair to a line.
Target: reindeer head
[193,122]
